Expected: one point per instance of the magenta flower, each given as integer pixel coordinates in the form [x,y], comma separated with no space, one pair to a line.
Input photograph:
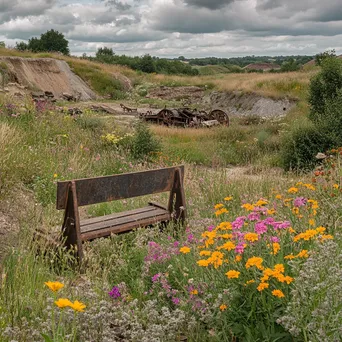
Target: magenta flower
[275,239]
[175,301]
[156,277]
[299,202]
[211,228]
[115,293]
[238,223]
[254,216]
[260,227]
[239,248]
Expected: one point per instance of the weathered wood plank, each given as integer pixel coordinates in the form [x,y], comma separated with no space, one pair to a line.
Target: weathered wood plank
[115,215]
[125,227]
[109,188]
[123,220]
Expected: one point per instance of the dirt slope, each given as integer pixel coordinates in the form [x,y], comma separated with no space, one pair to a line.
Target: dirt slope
[47,74]
[240,103]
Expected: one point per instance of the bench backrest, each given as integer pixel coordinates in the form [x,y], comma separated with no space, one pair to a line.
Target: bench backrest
[110,188]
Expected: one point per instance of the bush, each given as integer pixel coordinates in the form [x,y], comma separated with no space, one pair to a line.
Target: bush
[144,143]
[301,146]
[325,87]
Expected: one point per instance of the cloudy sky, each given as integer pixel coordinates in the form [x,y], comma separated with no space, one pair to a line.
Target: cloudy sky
[170,28]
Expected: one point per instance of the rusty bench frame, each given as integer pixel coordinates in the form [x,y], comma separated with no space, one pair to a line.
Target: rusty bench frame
[81,192]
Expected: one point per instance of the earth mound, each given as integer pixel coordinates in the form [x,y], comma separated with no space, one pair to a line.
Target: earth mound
[47,74]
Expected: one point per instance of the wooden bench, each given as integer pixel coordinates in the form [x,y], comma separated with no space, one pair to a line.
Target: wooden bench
[76,193]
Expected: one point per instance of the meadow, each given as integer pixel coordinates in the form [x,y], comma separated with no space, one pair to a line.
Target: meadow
[258,259]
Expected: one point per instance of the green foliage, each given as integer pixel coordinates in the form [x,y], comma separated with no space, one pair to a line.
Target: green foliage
[324,87]
[301,145]
[2,45]
[144,143]
[102,82]
[50,41]
[21,46]
[145,63]
[324,55]
[290,65]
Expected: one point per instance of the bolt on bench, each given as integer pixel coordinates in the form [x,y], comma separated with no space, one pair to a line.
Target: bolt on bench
[80,192]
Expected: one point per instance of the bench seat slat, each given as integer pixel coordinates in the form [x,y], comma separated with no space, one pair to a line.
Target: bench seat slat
[103,229]
[102,222]
[98,219]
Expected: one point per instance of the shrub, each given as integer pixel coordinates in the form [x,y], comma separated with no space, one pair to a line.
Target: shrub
[324,87]
[301,145]
[144,142]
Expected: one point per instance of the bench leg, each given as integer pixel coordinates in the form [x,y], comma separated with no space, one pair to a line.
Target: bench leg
[71,226]
[177,203]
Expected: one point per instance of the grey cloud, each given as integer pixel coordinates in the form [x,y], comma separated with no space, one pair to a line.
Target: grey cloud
[119,5]
[210,4]
[12,9]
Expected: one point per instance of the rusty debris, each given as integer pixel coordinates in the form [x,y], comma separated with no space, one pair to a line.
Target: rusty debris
[186,117]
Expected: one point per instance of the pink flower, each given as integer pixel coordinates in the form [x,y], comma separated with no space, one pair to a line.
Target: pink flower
[254,216]
[260,227]
[239,248]
[156,277]
[275,239]
[175,301]
[299,202]
[211,228]
[238,223]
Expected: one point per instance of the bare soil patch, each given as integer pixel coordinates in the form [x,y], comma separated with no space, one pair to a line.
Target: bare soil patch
[191,93]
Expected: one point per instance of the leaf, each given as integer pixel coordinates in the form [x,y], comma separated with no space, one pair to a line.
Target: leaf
[46,338]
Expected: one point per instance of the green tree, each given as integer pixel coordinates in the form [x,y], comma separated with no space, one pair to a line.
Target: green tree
[50,41]
[22,46]
[147,64]
[2,44]
[324,55]
[54,41]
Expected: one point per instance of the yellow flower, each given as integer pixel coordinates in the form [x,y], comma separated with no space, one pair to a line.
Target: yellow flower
[224,226]
[279,196]
[278,293]
[321,229]
[276,248]
[251,237]
[232,274]
[261,203]
[307,235]
[271,211]
[63,303]
[55,175]
[292,190]
[289,257]
[54,285]
[185,250]
[203,263]
[262,286]
[238,258]
[309,186]
[279,268]
[292,231]
[312,222]
[194,292]
[336,186]
[327,237]
[205,253]
[303,254]
[77,306]
[255,261]
[250,282]
[223,307]
[226,236]
[248,206]
[295,211]
[219,206]
[221,211]
[229,198]
[229,246]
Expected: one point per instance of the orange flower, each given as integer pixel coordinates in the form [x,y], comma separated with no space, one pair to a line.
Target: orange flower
[185,250]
